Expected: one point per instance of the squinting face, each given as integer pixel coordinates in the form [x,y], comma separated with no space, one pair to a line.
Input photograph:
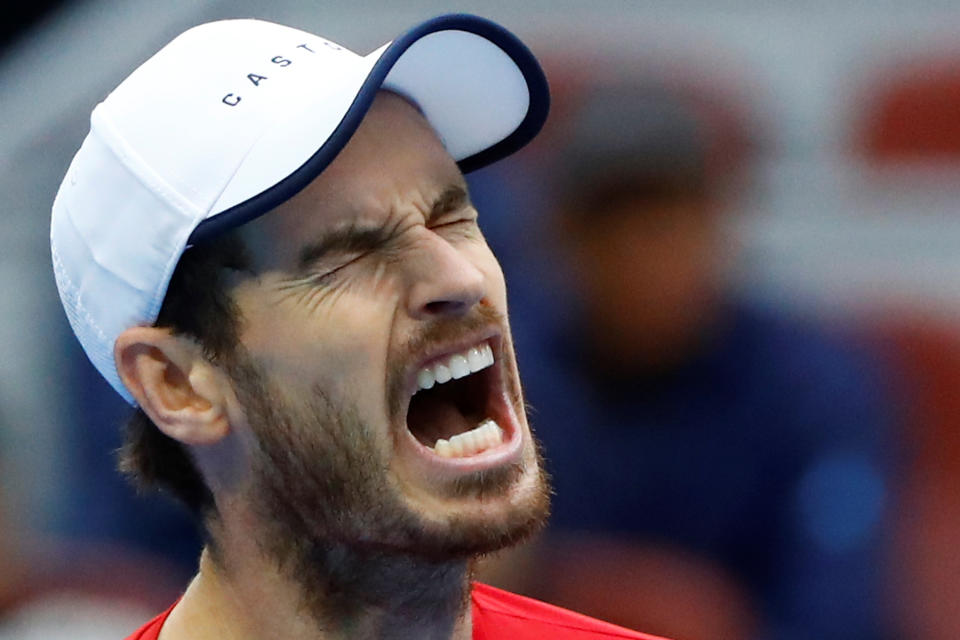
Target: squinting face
[376,371]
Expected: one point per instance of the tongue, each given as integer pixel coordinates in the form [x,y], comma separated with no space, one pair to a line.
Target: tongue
[430,421]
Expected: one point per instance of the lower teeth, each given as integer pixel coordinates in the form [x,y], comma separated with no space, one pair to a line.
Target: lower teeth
[485,436]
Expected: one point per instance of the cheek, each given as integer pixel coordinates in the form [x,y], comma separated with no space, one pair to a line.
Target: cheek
[337,346]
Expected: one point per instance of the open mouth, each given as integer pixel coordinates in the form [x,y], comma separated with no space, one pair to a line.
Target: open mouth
[455,409]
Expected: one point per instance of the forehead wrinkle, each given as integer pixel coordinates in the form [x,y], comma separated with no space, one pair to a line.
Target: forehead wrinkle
[452,197]
[360,227]
[363,233]
[364,228]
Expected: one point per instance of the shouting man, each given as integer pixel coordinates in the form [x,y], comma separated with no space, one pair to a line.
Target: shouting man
[266,245]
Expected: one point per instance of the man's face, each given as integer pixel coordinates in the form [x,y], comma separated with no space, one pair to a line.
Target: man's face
[373,283]
[657,268]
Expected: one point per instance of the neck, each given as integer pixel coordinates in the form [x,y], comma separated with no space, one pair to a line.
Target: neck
[326,592]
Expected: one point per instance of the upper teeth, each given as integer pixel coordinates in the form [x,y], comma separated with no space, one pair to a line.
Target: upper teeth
[455,366]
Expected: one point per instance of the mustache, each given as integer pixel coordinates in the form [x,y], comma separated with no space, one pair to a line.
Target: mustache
[437,331]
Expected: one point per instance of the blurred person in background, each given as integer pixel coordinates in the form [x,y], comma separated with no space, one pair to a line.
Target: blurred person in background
[719,466]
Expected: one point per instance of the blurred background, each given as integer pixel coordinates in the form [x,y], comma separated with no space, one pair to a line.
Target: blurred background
[733,261]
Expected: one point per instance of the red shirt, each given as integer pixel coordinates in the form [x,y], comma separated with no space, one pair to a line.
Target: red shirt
[500,615]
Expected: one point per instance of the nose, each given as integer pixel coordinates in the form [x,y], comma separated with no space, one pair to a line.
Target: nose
[444,282]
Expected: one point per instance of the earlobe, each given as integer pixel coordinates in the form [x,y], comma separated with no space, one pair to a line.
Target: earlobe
[174,384]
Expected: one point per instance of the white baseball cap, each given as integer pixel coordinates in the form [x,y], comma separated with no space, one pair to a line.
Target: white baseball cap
[234,117]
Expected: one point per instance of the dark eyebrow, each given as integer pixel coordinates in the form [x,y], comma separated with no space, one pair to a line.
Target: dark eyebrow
[348,239]
[453,197]
[357,238]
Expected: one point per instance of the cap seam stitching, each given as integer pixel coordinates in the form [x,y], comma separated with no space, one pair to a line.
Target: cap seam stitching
[140,169]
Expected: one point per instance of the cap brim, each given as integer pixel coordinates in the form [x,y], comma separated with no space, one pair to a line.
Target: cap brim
[480,88]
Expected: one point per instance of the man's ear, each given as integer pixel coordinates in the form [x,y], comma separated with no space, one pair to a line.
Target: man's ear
[182,392]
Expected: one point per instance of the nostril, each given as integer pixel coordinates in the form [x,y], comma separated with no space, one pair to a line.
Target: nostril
[444,307]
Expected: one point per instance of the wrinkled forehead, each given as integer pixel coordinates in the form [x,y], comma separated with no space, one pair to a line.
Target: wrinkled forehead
[394,161]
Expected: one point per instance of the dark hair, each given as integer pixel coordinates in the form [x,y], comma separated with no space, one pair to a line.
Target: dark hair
[650,140]
[197,304]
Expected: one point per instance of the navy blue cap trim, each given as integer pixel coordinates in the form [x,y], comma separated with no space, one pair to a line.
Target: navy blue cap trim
[299,179]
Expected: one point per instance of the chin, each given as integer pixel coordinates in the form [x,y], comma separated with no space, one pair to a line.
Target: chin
[484,512]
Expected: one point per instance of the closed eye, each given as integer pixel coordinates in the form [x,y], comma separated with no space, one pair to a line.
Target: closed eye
[457,231]
[454,223]
[463,216]
[325,277]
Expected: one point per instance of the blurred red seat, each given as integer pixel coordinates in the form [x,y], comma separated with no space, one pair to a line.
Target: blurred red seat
[925,352]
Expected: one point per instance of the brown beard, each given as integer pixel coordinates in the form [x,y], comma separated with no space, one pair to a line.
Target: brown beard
[334,520]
